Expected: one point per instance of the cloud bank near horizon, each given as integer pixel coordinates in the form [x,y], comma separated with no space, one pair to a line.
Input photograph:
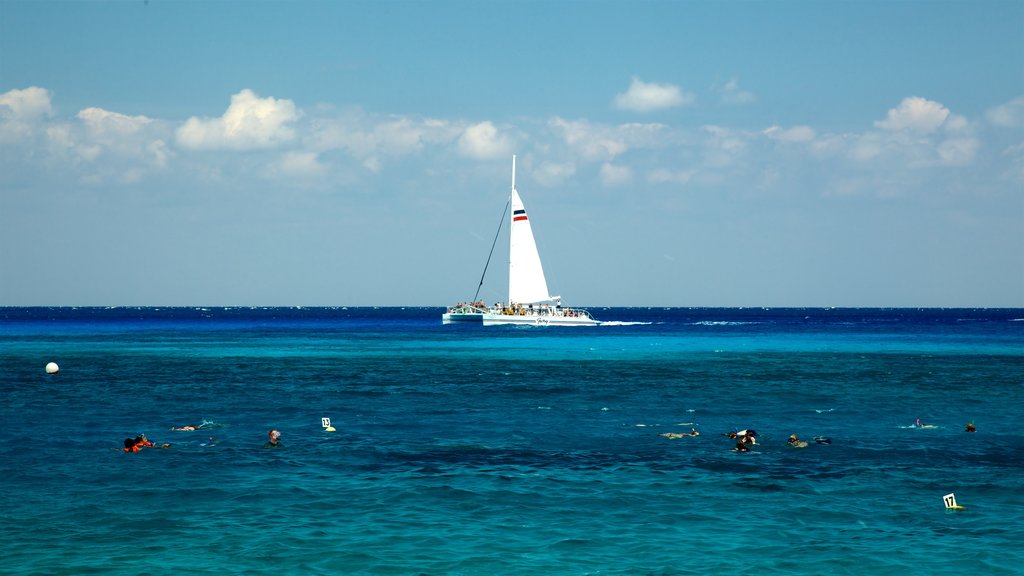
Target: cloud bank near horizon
[320,143]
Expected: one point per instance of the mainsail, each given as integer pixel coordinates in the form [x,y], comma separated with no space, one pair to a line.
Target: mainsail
[526,283]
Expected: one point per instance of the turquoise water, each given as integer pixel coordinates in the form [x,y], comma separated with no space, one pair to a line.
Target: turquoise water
[464,450]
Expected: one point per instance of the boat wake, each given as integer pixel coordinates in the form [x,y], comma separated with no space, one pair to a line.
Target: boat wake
[618,323]
[722,323]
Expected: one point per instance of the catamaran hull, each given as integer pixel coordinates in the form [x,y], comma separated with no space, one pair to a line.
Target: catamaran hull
[516,320]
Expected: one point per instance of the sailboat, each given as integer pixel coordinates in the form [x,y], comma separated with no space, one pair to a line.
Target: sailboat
[529,302]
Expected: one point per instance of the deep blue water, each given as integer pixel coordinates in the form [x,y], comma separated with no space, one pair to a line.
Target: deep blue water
[469,450]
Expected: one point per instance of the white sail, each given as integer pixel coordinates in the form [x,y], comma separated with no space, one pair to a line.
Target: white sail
[526,283]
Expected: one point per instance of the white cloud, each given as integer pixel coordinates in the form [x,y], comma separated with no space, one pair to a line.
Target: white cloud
[27,104]
[613,176]
[647,97]
[957,151]
[955,123]
[111,124]
[1015,157]
[550,174]
[915,114]
[158,152]
[917,134]
[298,165]
[22,112]
[794,134]
[724,147]
[603,142]
[593,142]
[130,144]
[370,139]
[731,93]
[663,176]
[483,141]
[1008,115]
[249,122]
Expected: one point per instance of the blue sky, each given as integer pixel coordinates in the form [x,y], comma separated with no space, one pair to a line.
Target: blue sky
[359,153]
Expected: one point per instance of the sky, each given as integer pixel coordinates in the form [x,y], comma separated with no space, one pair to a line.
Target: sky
[703,153]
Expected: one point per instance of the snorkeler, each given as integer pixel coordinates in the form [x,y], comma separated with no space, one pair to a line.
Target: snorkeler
[192,427]
[693,432]
[142,442]
[274,442]
[748,436]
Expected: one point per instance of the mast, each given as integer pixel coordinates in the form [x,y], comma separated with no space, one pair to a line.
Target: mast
[512,217]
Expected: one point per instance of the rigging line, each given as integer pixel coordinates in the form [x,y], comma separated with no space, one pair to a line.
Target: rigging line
[493,244]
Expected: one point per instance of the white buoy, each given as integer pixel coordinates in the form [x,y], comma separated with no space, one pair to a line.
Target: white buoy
[52,368]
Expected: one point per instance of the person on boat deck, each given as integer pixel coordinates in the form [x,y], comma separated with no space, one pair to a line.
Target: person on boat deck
[274,442]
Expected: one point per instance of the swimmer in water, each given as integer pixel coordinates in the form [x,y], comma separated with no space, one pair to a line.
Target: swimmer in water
[142,442]
[193,427]
[970,427]
[747,434]
[274,442]
[693,432]
[795,441]
[129,445]
[741,447]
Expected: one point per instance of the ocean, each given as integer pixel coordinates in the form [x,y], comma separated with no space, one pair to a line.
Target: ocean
[529,450]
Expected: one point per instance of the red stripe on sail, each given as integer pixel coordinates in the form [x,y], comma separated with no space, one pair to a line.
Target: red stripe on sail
[518,218]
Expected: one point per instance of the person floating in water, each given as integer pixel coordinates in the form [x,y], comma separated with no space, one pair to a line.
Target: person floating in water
[142,442]
[746,436]
[192,427]
[918,424]
[741,446]
[796,442]
[970,427]
[275,438]
[130,446]
[692,432]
